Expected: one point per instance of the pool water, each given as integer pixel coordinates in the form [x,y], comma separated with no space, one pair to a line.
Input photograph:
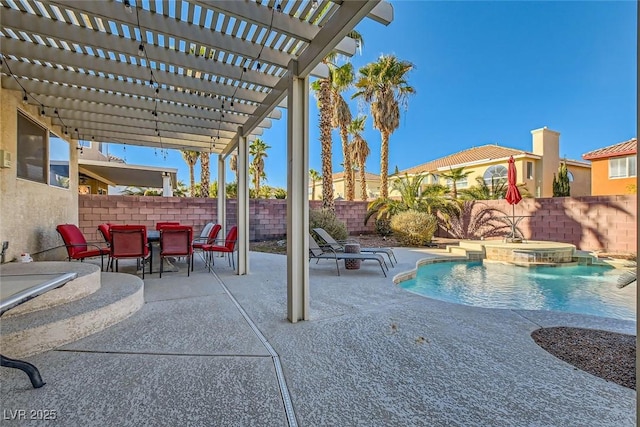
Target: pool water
[576,289]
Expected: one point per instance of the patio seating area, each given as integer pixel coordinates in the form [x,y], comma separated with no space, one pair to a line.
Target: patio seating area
[216,349]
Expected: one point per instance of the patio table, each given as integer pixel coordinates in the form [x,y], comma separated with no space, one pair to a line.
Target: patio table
[350,263]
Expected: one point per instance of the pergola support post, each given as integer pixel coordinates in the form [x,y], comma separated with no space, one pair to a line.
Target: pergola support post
[297,198]
[222,196]
[243,204]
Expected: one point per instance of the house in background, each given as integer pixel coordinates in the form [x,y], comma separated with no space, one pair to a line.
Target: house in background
[339,186]
[98,171]
[614,169]
[535,169]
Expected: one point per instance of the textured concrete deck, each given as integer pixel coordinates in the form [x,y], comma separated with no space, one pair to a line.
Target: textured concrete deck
[372,354]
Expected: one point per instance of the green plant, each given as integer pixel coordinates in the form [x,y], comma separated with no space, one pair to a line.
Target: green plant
[561,186]
[324,218]
[279,193]
[413,228]
[383,227]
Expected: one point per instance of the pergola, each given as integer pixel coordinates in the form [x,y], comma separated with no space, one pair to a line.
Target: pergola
[198,75]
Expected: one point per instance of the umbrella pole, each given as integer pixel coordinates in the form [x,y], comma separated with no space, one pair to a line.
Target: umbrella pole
[513,222]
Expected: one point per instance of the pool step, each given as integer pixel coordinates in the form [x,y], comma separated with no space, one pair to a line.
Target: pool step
[471,253]
[118,297]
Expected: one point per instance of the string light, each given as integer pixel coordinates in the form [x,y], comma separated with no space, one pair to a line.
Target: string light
[24,98]
[314,4]
[141,50]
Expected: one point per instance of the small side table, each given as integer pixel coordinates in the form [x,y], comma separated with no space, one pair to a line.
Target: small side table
[350,263]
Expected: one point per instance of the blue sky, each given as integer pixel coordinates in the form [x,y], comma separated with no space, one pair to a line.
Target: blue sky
[485,72]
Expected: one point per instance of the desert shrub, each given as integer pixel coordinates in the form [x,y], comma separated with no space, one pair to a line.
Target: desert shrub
[279,193]
[413,228]
[383,227]
[325,219]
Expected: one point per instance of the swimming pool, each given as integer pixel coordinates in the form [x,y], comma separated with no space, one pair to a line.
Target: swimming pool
[575,289]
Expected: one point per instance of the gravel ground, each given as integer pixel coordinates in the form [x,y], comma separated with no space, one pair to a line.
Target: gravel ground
[608,355]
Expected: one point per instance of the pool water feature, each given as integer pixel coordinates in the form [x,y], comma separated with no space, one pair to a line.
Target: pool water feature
[579,289]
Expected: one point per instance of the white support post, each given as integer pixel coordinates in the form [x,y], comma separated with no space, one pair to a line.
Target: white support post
[297,198]
[167,191]
[222,196]
[243,204]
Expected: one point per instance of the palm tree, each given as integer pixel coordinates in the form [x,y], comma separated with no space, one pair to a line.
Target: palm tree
[455,175]
[383,85]
[191,157]
[323,89]
[258,149]
[233,164]
[315,177]
[359,151]
[341,79]
[205,174]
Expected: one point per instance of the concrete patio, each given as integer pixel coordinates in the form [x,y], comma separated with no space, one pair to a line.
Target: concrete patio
[216,349]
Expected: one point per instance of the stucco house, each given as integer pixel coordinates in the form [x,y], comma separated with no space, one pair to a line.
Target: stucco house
[614,168]
[535,168]
[339,186]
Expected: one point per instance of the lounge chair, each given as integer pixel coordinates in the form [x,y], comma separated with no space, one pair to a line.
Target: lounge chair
[318,252]
[338,246]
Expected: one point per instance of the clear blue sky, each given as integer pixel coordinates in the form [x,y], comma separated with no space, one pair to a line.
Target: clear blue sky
[485,72]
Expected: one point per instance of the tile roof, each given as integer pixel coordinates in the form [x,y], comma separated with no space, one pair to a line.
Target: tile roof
[368,175]
[621,149]
[475,154]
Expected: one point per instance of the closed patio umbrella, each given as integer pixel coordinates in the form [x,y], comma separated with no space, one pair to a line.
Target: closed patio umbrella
[513,196]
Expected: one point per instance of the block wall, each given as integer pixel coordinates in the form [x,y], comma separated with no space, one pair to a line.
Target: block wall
[606,223]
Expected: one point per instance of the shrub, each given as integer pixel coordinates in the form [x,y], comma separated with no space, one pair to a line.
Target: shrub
[327,220]
[279,193]
[413,228]
[383,227]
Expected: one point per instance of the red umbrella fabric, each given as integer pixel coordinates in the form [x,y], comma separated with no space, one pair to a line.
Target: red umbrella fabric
[513,194]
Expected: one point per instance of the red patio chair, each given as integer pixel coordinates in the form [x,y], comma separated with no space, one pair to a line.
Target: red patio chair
[159,225]
[175,241]
[197,243]
[228,247]
[78,247]
[130,241]
[106,234]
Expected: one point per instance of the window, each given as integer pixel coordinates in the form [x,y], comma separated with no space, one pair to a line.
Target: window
[495,174]
[461,183]
[41,156]
[58,162]
[32,150]
[622,167]
[570,176]
[529,170]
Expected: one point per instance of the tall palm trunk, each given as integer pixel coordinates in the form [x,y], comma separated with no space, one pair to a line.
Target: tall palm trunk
[363,182]
[348,166]
[324,99]
[192,180]
[205,174]
[384,164]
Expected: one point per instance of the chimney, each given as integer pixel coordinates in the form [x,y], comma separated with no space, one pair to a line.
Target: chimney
[546,144]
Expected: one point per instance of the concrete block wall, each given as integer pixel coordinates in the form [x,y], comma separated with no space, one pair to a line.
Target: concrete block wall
[267,217]
[606,223]
[597,223]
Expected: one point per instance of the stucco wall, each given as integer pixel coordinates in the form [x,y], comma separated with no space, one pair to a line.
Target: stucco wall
[30,211]
[603,185]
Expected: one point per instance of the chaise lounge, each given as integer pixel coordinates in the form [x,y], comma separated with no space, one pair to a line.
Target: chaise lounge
[338,246]
[318,252]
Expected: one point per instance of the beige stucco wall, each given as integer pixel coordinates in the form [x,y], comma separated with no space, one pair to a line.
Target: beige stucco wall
[546,143]
[30,211]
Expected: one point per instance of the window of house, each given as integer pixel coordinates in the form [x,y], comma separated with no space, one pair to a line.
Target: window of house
[495,174]
[31,155]
[461,183]
[622,167]
[529,170]
[570,176]
[41,156]
[58,161]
